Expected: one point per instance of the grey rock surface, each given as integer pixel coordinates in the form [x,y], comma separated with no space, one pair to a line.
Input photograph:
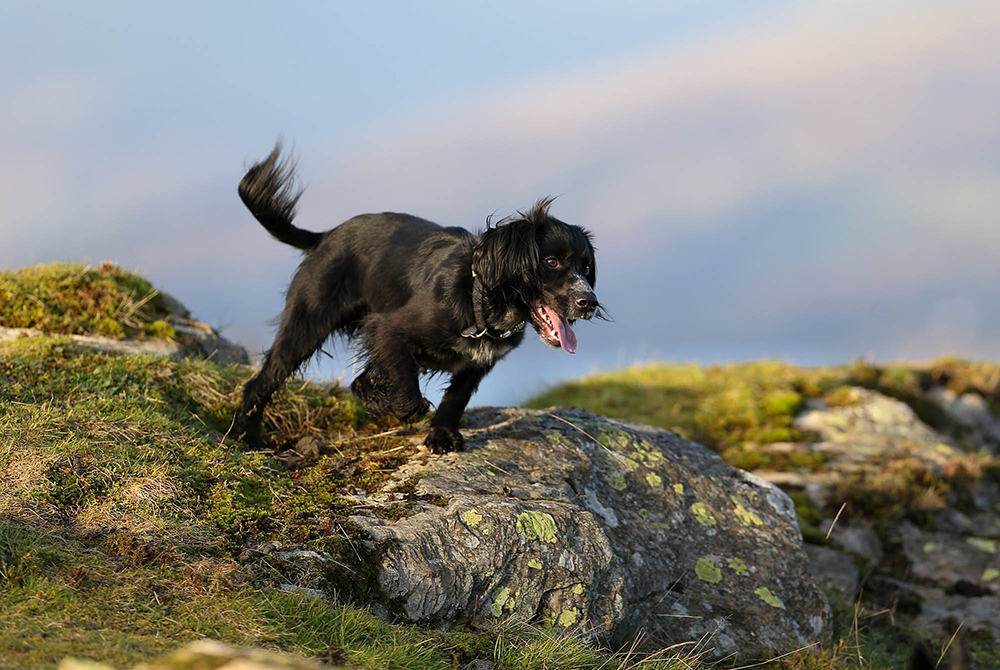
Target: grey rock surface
[971,413]
[862,541]
[945,560]
[584,524]
[201,339]
[860,439]
[835,569]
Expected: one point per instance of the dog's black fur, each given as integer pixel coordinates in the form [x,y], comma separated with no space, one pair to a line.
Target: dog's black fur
[407,289]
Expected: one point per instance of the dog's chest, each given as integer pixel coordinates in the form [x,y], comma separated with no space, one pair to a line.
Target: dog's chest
[485,351]
[464,351]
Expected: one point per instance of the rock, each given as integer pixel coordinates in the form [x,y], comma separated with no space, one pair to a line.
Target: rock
[970,412]
[204,340]
[861,541]
[601,528]
[932,577]
[878,427]
[82,664]
[248,553]
[174,306]
[316,594]
[983,524]
[293,569]
[306,450]
[945,559]
[835,569]
[940,612]
[858,441]
[153,347]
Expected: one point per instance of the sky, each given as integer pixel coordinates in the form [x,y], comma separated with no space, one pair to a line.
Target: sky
[811,181]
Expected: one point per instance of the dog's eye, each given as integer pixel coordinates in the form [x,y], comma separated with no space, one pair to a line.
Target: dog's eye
[552,262]
[586,269]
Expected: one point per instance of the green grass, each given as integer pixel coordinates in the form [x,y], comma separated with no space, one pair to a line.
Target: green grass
[80,300]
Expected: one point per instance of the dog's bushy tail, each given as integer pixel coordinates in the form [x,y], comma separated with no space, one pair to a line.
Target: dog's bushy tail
[268,190]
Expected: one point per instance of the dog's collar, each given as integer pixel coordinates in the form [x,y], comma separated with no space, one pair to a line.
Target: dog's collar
[470,332]
[480,329]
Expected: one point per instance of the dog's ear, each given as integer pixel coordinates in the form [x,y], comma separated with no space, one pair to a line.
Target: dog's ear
[592,273]
[506,255]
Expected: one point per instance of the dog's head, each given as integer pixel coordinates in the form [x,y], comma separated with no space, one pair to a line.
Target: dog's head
[535,267]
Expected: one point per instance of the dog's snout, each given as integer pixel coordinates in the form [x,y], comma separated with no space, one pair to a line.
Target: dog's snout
[587,303]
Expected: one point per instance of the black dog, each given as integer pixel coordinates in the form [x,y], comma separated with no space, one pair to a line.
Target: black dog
[421,298]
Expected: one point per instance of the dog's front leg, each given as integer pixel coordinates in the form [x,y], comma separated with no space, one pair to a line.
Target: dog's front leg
[443,435]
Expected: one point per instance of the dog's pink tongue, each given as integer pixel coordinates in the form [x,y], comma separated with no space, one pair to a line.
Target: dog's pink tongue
[567,338]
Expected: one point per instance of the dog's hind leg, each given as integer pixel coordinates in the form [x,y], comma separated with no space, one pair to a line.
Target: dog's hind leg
[302,332]
[390,382]
[443,435]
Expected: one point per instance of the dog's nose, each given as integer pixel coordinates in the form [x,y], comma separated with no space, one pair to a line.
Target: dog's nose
[587,302]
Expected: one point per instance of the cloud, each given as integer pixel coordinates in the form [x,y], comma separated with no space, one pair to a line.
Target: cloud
[691,135]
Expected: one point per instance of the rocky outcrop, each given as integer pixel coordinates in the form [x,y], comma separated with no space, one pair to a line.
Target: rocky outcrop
[192,338]
[936,557]
[583,524]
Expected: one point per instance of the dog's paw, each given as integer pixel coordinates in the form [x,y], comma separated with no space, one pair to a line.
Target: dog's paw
[248,431]
[441,440]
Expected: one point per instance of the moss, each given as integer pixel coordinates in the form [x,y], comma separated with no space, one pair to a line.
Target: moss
[782,403]
[769,597]
[539,526]
[843,396]
[160,329]
[702,514]
[738,566]
[77,299]
[755,457]
[903,488]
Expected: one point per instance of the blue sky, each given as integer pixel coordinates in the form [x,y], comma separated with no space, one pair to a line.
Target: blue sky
[812,181]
